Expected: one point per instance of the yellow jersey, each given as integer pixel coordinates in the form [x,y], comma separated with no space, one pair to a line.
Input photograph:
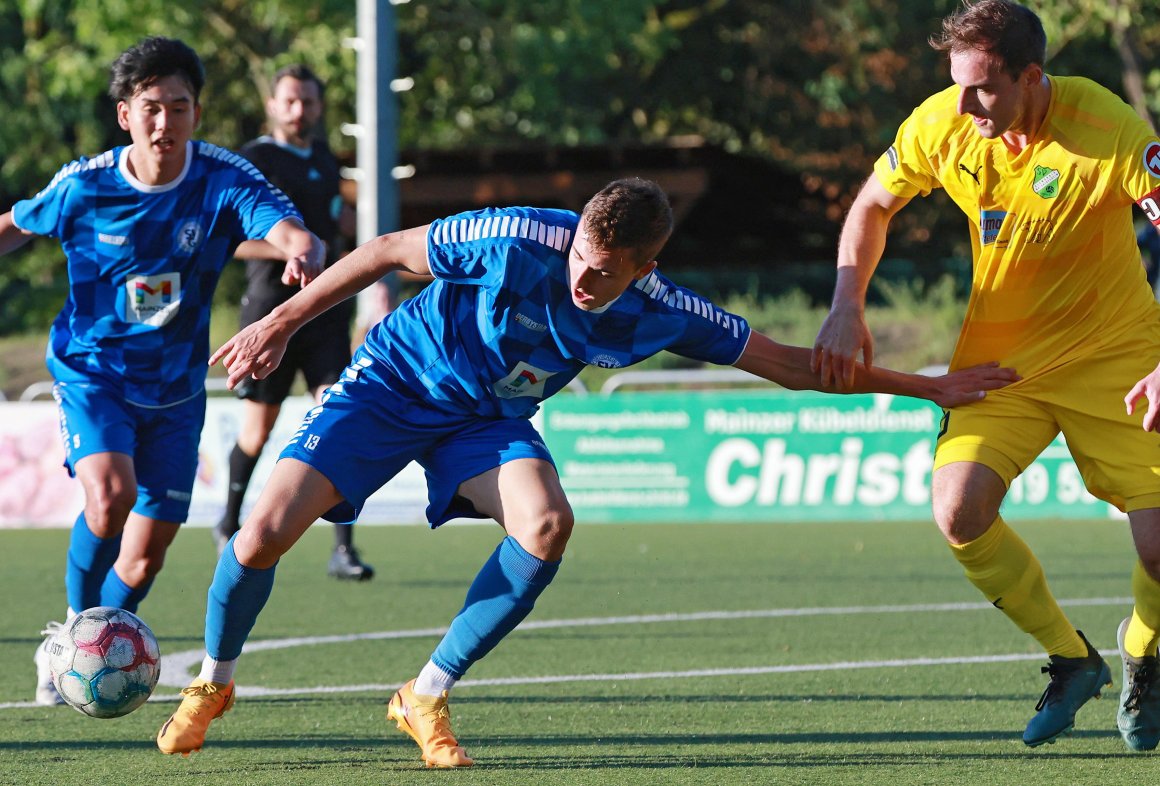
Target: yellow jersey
[1056,274]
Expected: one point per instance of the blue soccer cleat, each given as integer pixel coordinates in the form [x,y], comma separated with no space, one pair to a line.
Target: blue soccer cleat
[1073,682]
[1139,714]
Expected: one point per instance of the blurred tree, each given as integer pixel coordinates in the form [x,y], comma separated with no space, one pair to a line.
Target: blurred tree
[54,67]
[818,86]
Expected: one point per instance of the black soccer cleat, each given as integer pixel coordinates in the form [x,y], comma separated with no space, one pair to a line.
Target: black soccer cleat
[346,565]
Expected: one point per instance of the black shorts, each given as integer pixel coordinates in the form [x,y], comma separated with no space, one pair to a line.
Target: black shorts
[320,350]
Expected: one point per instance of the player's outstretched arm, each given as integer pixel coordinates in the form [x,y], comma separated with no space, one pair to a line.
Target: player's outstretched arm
[258,348]
[790,367]
[844,334]
[1148,389]
[12,237]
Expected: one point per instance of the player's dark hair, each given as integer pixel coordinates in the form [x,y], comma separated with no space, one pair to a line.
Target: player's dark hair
[630,213]
[1011,32]
[300,72]
[152,59]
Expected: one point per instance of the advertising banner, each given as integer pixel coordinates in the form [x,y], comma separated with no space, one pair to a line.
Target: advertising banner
[719,455]
[762,456]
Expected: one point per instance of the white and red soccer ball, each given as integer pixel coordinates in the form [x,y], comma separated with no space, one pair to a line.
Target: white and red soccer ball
[105,662]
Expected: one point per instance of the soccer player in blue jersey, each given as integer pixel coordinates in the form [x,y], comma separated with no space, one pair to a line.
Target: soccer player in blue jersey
[146,230]
[522,300]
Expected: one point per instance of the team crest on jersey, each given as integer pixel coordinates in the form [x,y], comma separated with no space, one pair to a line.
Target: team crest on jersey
[1152,158]
[152,300]
[524,380]
[189,236]
[1046,182]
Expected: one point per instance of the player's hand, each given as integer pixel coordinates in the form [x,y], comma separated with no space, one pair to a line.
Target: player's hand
[301,270]
[843,335]
[970,384]
[255,351]
[1147,388]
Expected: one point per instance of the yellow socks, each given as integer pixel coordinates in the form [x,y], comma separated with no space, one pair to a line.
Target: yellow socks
[1140,637]
[1009,576]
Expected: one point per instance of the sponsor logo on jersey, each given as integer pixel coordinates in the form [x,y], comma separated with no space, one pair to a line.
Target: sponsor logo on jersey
[524,380]
[990,224]
[1152,158]
[112,240]
[1046,183]
[892,158]
[604,360]
[1150,204]
[530,323]
[152,300]
[974,174]
[189,236]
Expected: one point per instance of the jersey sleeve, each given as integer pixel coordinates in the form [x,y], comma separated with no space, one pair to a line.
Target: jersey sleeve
[1138,169]
[706,332]
[473,247]
[43,214]
[905,169]
[257,203]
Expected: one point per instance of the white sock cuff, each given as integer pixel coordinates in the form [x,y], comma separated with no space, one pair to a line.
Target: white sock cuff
[219,671]
[432,681]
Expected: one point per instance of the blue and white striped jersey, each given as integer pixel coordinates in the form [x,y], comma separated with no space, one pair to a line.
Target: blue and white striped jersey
[143,263]
[497,332]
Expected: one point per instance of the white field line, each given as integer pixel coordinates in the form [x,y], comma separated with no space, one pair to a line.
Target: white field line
[175,668]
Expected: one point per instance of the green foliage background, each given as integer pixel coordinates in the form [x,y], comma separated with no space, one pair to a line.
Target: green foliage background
[816,87]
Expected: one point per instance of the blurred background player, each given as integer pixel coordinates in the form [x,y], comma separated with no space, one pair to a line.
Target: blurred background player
[298,161]
[523,300]
[146,230]
[1047,170]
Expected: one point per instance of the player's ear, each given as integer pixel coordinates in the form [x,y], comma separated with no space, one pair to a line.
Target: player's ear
[1033,74]
[645,269]
[123,115]
[197,114]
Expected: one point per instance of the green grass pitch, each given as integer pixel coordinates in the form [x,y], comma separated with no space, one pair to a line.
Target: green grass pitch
[692,654]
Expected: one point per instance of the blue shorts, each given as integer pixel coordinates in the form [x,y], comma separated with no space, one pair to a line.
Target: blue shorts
[365,432]
[163,442]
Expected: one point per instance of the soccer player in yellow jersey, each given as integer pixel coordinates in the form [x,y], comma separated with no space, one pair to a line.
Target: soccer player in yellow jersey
[1046,169]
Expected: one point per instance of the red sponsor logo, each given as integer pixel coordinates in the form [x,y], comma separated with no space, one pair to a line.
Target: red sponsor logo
[1151,206]
[1152,158]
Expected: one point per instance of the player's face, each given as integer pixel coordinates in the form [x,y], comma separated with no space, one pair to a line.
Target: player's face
[599,276]
[294,109]
[996,102]
[161,119]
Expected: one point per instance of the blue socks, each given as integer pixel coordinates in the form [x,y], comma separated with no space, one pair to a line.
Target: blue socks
[501,596]
[115,592]
[90,561]
[236,597]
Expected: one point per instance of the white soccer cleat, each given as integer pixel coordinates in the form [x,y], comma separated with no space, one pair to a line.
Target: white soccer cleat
[46,693]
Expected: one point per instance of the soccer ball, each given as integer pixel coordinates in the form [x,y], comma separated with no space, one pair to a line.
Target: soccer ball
[105,662]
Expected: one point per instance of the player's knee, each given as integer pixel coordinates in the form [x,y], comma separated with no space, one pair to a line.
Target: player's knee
[107,506]
[959,520]
[260,545]
[547,535]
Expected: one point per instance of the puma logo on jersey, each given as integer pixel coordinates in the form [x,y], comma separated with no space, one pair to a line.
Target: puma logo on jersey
[974,175]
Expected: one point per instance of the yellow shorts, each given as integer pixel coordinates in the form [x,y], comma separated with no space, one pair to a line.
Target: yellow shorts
[1118,460]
